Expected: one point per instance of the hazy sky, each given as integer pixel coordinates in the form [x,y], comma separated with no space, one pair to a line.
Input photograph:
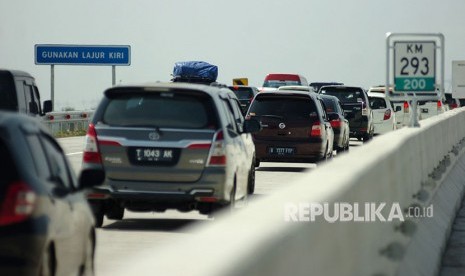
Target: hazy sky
[324,40]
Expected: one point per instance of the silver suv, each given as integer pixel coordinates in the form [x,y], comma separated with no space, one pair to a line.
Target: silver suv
[169,146]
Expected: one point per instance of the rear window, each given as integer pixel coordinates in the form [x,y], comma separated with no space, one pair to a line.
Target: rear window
[242,93]
[286,107]
[168,110]
[330,105]
[279,83]
[346,95]
[8,100]
[377,103]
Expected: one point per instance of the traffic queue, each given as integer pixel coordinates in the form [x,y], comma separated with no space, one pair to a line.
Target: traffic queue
[191,144]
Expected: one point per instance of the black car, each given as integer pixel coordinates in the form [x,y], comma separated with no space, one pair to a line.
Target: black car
[338,122]
[356,105]
[46,225]
[245,94]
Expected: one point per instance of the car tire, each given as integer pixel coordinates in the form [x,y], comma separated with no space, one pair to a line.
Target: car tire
[232,198]
[47,264]
[115,212]
[251,181]
[367,137]
[257,163]
[97,210]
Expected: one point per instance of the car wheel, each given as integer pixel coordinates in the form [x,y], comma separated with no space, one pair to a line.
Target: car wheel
[97,210]
[115,212]
[251,181]
[232,198]
[367,137]
[87,268]
[47,265]
[257,163]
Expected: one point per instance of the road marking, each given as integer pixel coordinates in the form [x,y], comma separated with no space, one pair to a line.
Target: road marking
[74,153]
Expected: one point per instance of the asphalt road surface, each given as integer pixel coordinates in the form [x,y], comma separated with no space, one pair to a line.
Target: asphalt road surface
[117,239]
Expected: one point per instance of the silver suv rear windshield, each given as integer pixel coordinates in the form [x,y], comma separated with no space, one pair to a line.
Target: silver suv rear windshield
[167,110]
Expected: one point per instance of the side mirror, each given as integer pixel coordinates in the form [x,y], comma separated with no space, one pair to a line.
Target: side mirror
[90,178]
[252,126]
[47,106]
[398,108]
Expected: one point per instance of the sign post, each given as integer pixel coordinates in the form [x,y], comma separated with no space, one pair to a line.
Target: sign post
[411,68]
[109,55]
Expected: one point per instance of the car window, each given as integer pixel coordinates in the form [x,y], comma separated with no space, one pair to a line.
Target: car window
[38,156]
[59,169]
[287,107]
[171,110]
[377,103]
[346,95]
[278,83]
[242,93]
[32,103]
[8,100]
[237,114]
[322,108]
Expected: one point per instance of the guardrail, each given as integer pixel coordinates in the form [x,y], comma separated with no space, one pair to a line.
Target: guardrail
[409,168]
[67,121]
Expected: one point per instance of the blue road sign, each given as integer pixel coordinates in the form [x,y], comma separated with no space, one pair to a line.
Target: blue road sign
[82,54]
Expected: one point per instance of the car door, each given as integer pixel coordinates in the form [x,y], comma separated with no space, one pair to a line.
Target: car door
[329,134]
[237,146]
[66,227]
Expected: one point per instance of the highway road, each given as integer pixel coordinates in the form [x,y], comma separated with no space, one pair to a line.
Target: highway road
[117,239]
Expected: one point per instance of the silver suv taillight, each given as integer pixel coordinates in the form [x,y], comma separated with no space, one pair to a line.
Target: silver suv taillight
[217,156]
[91,151]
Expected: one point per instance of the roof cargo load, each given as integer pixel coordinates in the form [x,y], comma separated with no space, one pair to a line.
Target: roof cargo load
[195,71]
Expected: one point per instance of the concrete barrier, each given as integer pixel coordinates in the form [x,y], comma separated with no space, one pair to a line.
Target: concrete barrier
[411,167]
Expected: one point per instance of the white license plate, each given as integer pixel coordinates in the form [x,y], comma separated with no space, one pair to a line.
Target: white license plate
[153,155]
[281,151]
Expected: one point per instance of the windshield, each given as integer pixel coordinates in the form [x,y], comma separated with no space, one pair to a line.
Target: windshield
[346,95]
[330,105]
[156,110]
[279,83]
[285,107]
[377,103]
[243,93]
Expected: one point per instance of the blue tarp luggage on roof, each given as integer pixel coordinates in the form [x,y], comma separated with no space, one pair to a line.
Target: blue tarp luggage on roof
[195,69]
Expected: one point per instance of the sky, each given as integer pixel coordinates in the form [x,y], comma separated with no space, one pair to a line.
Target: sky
[323,40]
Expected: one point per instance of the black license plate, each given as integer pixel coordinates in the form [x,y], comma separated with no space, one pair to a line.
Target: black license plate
[281,151]
[424,110]
[154,155]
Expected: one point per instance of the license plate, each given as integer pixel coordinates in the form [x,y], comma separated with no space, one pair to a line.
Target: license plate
[281,151]
[153,155]
[424,110]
